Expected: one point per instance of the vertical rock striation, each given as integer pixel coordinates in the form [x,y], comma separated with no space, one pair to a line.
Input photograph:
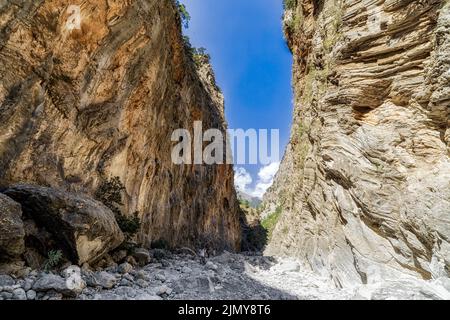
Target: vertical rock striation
[365,181]
[86,99]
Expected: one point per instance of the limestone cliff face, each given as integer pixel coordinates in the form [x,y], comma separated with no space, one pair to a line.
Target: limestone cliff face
[81,105]
[365,181]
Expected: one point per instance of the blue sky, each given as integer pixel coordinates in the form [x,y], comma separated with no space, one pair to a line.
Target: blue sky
[252,65]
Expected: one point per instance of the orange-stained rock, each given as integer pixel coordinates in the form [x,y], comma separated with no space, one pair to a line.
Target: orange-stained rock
[82,105]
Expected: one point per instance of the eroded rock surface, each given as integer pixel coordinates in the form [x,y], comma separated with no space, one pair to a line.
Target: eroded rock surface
[365,181]
[12,233]
[93,90]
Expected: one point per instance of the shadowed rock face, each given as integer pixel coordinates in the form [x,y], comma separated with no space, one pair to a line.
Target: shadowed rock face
[81,105]
[365,181]
[83,227]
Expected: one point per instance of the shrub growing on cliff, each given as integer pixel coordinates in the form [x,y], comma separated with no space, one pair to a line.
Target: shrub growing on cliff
[270,222]
[200,56]
[289,4]
[53,259]
[244,203]
[188,46]
[184,14]
[110,194]
[129,226]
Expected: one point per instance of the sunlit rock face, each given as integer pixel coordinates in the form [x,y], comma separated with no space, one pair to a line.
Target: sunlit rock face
[365,181]
[91,90]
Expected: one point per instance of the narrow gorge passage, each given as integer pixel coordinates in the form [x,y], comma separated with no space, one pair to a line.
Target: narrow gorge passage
[248,277]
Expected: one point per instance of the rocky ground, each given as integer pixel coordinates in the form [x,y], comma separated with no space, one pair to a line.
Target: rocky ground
[183,276]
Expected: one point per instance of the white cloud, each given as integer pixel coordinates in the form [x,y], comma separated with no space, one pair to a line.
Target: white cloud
[265,178]
[268,172]
[243,180]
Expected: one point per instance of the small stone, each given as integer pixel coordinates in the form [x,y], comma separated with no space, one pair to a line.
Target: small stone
[265,296]
[28,284]
[125,268]
[9,289]
[129,277]
[211,266]
[101,279]
[7,295]
[142,283]
[186,270]
[73,279]
[31,294]
[127,292]
[86,267]
[56,296]
[70,270]
[204,284]
[142,275]
[53,282]
[142,256]
[125,283]
[224,258]
[178,288]
[19,294]
[161,277]
[163,290]
[6,280]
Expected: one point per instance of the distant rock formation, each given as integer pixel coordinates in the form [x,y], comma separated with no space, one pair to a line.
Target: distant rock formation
[365,181]
[252,201]
[91,90]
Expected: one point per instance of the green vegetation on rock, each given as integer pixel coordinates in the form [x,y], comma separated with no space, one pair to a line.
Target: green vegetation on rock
[289,4]
[270,222]
[54,258]
[184,14]
[110,194]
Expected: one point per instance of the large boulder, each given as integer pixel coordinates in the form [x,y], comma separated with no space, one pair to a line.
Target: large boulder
[12,232]
[84,229]
[53,282]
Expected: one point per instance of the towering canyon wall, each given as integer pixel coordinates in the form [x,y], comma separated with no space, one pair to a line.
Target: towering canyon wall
[85,99]
[364,185]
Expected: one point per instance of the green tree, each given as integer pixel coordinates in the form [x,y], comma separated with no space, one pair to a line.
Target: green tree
[184,14]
